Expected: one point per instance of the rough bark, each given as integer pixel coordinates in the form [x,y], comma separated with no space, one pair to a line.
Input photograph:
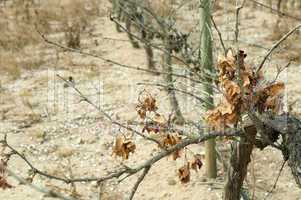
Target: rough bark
[290,129]
[240,158]
[286,126]
[293,145]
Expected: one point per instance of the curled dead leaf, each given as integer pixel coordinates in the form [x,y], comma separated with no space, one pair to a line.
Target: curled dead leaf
[4,184]
[150,104]
[270,97]
[159,119]
[222,116]
[232,90]
[236,100]
[225,107]
[172,139]
[141,113]
[123,147]
[146,103]
[197,163]
[213,118]
[184,173]
[275,89]
[231,119]
[226,66]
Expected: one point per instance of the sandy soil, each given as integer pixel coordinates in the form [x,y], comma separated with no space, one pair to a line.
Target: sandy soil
[55,130]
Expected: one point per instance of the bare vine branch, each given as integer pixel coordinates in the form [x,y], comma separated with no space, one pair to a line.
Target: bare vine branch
[276,181]
[276,11]
[176,89]
[84,98]
[45,191]
[275,46]
[219,35]
[80,51]
[140,179]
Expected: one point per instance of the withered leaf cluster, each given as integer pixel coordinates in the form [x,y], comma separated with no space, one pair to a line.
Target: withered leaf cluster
[269,98]
[147,103]
[3,182]
[123,147]
[169,140]
[196,163]
[156,124]
[242,91]
[184,172]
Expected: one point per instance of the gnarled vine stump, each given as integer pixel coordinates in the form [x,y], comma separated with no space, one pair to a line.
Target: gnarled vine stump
[286,126]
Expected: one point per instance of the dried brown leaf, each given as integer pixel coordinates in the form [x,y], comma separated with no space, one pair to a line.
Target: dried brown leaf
[4,184]
[123,147]
[275,89]
[232,90]
[171,140]
[184,173]
[159,119]
[141,113]
[197,163]
[146,103]
[225,107]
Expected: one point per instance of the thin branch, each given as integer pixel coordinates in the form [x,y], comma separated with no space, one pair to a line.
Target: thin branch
[140,179]
[155,46]
[275,46]
[238,8]
[33,168]
[279,70]
[237,20]
[84,98]
[127,170]
[276,11]
[81,52]
[45,191]
[176,89]
[219,35]
[276,181]
[114,39]
[160,21]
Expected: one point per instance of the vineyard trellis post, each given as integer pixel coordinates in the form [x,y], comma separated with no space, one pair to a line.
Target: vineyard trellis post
[207,68]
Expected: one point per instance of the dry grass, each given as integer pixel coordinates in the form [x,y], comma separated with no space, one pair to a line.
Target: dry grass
[70,17]
[68,20]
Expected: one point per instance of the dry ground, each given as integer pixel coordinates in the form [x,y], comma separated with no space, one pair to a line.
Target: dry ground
[64,136]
